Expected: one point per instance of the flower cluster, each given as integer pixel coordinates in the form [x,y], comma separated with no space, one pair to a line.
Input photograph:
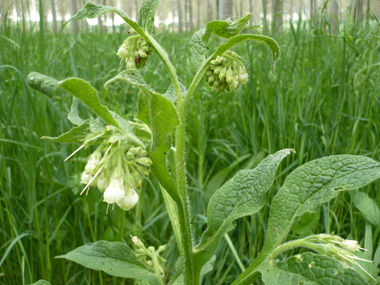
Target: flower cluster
[226,72]
[116,167]
[339,248]
[135,51]
[156,261]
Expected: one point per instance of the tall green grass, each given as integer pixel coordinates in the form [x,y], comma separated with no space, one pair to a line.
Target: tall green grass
[322,99]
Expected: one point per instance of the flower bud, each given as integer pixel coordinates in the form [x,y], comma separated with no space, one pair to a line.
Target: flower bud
[145,161]
[122,52]
[229,75]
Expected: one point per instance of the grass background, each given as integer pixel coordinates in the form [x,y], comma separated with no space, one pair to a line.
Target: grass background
[323,99]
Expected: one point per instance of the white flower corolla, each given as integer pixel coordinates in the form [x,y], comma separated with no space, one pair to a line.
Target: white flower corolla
[102,182]
[243,75]
[85,178]
[351,245]
[129,201]
[122,51]
[115,191]
[92,162]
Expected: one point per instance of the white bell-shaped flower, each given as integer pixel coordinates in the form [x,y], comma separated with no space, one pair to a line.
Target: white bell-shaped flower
[129,201]
[85,178]
[115,191]
[92,162]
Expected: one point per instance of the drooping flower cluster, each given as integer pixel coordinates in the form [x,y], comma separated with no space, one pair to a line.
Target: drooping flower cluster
[143,253]
[135,51]
[226,72]
[116,167]
[339,248]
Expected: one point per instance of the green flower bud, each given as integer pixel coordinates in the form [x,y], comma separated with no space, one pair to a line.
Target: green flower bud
[218,69]
[229,75]
[144,161]
[222,73]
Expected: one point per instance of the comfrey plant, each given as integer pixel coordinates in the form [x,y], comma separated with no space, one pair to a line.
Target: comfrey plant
[127,152]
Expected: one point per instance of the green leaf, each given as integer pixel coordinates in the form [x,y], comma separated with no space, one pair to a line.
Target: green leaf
[312,184]
[198,48]
[178,277]
[244,194]
[147,12]
[368,207]
[74,113]
[83,90]
[319,269]
[171,95]
[75,135]
[271,274]
[92,10]
[44,84]
[114,258]
[225,29]
[160,115]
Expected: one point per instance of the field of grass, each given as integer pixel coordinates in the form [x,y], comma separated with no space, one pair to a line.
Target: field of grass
[322,99]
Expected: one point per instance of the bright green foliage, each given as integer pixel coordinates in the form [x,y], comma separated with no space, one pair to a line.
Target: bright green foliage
[225,29]
[147,12]
[243,195]
[45,84]
[92,10]
[309,268]
[89,96]
[314,183]
[114,258]
[75,135]
[368,207]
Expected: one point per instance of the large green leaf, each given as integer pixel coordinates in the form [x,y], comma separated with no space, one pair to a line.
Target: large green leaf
[75,135]
[83,90]
[304,190]
[244,194]
[314,183]
[160,115]
[368,207]
[147,12]
[198,48]
[44,84]
[114,258]
[92,10]
[318,269]
[225,29]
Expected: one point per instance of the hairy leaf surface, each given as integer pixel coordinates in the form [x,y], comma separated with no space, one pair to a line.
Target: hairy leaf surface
[44,84]
[225,29]
[92,10]
[244,194]
[114,258]
[75,135]
[320,269]
[312,184]
[83,90]
[368,207]
[198,48]
[147,12]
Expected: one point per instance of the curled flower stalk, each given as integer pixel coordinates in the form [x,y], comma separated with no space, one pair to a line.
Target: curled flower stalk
[135,51]
[226,72]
